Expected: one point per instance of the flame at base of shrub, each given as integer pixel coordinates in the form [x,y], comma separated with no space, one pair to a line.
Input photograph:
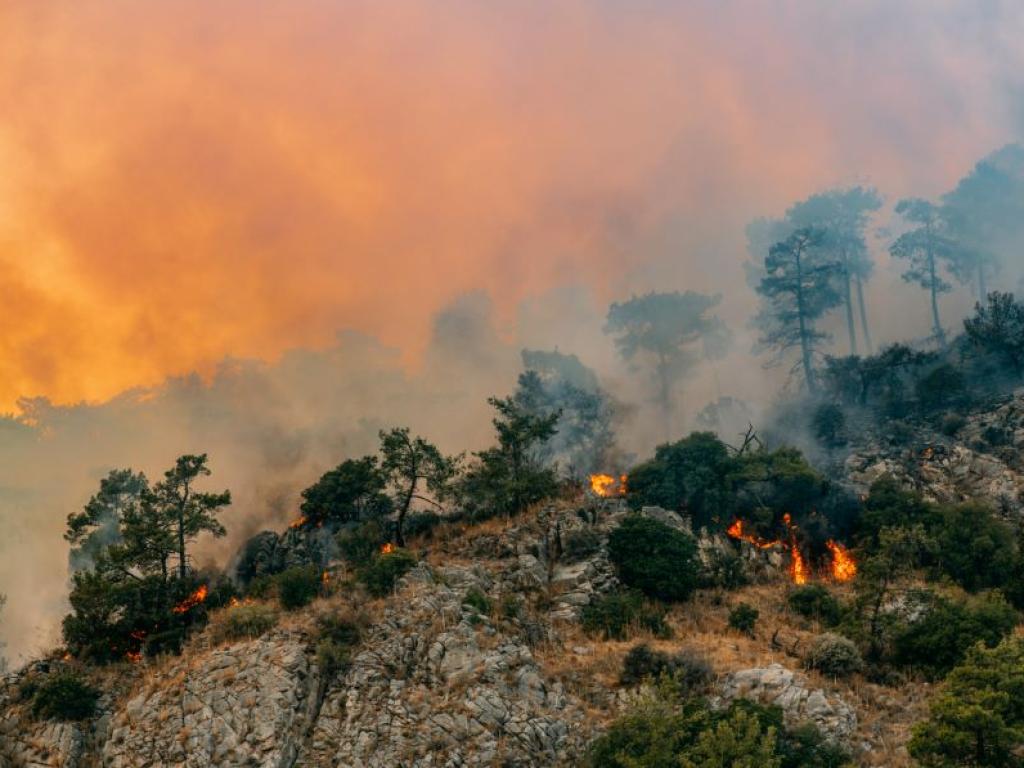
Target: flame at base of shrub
[197,597]
[842,566]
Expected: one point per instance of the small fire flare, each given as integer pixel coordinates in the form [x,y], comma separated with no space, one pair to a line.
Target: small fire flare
[387,549]
[844,567]
[192,600]
[607,486]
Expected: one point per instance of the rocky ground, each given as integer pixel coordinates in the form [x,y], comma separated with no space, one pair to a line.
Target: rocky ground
[435,682]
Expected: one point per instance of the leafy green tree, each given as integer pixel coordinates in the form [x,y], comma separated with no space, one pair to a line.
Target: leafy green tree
[928,247]
[973,547]
[985,212]
[658,560]
[884,379]
[998,330]
[897,553]
[409,462]
[352,491]
[97,526]
[672,332]
[977,718]
[842,215]
[508,478]
[690,475]
[737,741]
[798,288]
[829,421]
[937,641]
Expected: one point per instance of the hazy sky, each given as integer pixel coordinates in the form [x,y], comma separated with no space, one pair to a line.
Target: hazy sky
[183,181]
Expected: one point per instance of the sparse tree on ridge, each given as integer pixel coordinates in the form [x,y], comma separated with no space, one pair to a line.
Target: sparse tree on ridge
[409,462]
[842,216]
[98,524]
[674,331]
[191,512]
[798,287]
[928,247]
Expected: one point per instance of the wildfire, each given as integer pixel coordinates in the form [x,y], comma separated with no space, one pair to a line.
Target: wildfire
[192,600]
[607,485]
[297,523]
[134,656]
[844,567]
[387,549]
[325,578]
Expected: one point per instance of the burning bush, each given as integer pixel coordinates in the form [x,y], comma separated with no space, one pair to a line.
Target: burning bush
[614,615]
[658,560]
[64,696]
[834,655]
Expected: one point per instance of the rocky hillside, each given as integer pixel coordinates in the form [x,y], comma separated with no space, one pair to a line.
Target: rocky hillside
[477,659]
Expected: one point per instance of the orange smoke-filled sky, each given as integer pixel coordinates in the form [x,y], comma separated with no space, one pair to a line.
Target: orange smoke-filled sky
[183,180]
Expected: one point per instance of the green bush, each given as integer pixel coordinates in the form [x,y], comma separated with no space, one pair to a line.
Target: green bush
[724,570]
[829,422]
[951,424]
[360,544]
[834,655]
[665,731]
[978,717]
[973,547]
[248,621]
[937,641]
[689,672]
[297,587]
[262,587]
[341,628]
[614,615]
[64,696]
[421,524]
[580,544]
[333,658]
[813,601]
[381,575]
[743,617]
[477,601]
[658,560]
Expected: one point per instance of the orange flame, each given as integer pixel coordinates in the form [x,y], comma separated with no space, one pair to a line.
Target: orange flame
[607,485]
[844,567]
[798,570]
[325,578]
[297,523]
[134,656]
[387,549]
[192,600]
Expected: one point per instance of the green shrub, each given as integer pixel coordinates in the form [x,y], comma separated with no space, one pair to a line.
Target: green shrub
[64,696]
[381,575]
[951,424]
[297,587]
[478,601]
[511,607]
[743,618]
[360,544]
[724,570]
[614,615]
[262,587]
[937,641]
[973,547]
[829,422]
[689,672]
[344,629]
[248,621]
[333,658]
[977,718]
[580,544]
[834,655]
[813,601]
[421,524]
[665,731]
[658,560]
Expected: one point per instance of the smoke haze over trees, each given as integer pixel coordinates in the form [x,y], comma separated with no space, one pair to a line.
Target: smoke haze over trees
[631,160]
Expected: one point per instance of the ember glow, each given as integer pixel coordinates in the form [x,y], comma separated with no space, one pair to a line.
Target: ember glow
[297,523]
[192,600]
[387,549]
[607,486]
